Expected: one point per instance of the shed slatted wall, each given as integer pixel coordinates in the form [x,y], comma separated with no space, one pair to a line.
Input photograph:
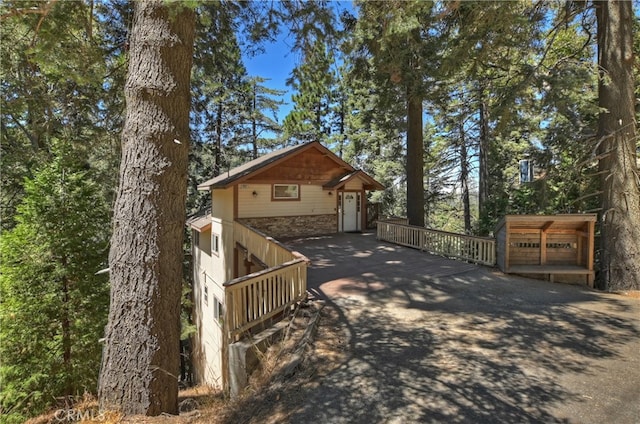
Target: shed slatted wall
[547,244]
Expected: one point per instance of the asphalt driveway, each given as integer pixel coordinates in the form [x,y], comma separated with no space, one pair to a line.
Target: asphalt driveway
[436,340]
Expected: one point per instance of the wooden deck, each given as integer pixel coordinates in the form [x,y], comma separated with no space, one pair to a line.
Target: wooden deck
[422,338]
[253,299]
[552,270]
[346,264]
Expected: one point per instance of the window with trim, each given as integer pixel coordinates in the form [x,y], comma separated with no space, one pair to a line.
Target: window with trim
[286,192]
[206,295]
[218,313]
[215,243]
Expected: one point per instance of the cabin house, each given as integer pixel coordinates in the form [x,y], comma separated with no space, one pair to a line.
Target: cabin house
[243,278]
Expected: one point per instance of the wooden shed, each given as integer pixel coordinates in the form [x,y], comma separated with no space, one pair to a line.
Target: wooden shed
[547,244]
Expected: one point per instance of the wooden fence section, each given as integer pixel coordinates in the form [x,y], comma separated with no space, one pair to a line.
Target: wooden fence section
[255,298]
[479,250]
[267,249]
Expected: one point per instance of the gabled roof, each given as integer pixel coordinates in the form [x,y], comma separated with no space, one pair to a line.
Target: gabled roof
[339,182]
[254,167]
[244,171]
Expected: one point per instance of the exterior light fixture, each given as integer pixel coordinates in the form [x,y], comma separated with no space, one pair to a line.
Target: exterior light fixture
[255,193]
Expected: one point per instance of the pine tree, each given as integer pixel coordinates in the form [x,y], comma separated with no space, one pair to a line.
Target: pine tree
[218,84]
[141,357]
[401,41]
[312,80]
[260,114]
[374,136]
[617,149]
[230,110]
[53,307]
[60,71]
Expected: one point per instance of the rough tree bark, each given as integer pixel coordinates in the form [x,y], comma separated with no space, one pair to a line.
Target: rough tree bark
[415,161]
[483,151]
[464,179]
[620,220]
[254,125]
[141,356]
[217,167]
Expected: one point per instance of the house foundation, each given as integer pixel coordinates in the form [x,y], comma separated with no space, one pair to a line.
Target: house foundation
[243,356]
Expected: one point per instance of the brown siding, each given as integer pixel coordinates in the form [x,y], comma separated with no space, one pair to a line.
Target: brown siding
[549,244]
[355,184]
[310,166]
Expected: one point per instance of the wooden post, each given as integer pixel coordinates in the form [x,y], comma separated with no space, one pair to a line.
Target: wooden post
[579,246]
[543,247]
[228,308]
[590,252]
[507,248]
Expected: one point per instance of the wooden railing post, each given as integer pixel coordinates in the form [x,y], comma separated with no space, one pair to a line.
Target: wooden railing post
[480,250]
[255,298]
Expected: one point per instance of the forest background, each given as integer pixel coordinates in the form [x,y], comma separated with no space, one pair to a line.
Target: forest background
[486,87]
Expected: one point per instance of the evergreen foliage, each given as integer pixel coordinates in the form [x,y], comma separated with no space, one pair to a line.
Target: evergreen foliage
[315,79]
[62,76]
[499,82]
[232,112]
[53,306]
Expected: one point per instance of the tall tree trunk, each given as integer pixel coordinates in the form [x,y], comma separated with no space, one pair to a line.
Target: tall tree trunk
[483,152]
[620,230]
[427,186]
[341,123]
[464,179]
[217,167]
[254,124]
[318,122]
[415,161]
[66,335]
[141,357]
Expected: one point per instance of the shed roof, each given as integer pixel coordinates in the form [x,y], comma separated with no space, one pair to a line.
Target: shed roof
[544,222]
[200,223]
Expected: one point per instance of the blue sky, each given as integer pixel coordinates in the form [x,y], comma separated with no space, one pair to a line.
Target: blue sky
[277,62]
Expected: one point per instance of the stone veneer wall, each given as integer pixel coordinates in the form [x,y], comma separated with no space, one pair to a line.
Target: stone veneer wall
[294,226]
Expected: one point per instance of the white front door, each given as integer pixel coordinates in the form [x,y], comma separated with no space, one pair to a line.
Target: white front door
[350,211]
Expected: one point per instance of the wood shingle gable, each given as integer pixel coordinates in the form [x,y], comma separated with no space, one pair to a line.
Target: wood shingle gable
[368,182]
[311,162]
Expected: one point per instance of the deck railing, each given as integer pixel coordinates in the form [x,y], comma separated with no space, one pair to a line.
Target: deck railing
[255,298]
[395,220]
[479,250]
[267,249]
